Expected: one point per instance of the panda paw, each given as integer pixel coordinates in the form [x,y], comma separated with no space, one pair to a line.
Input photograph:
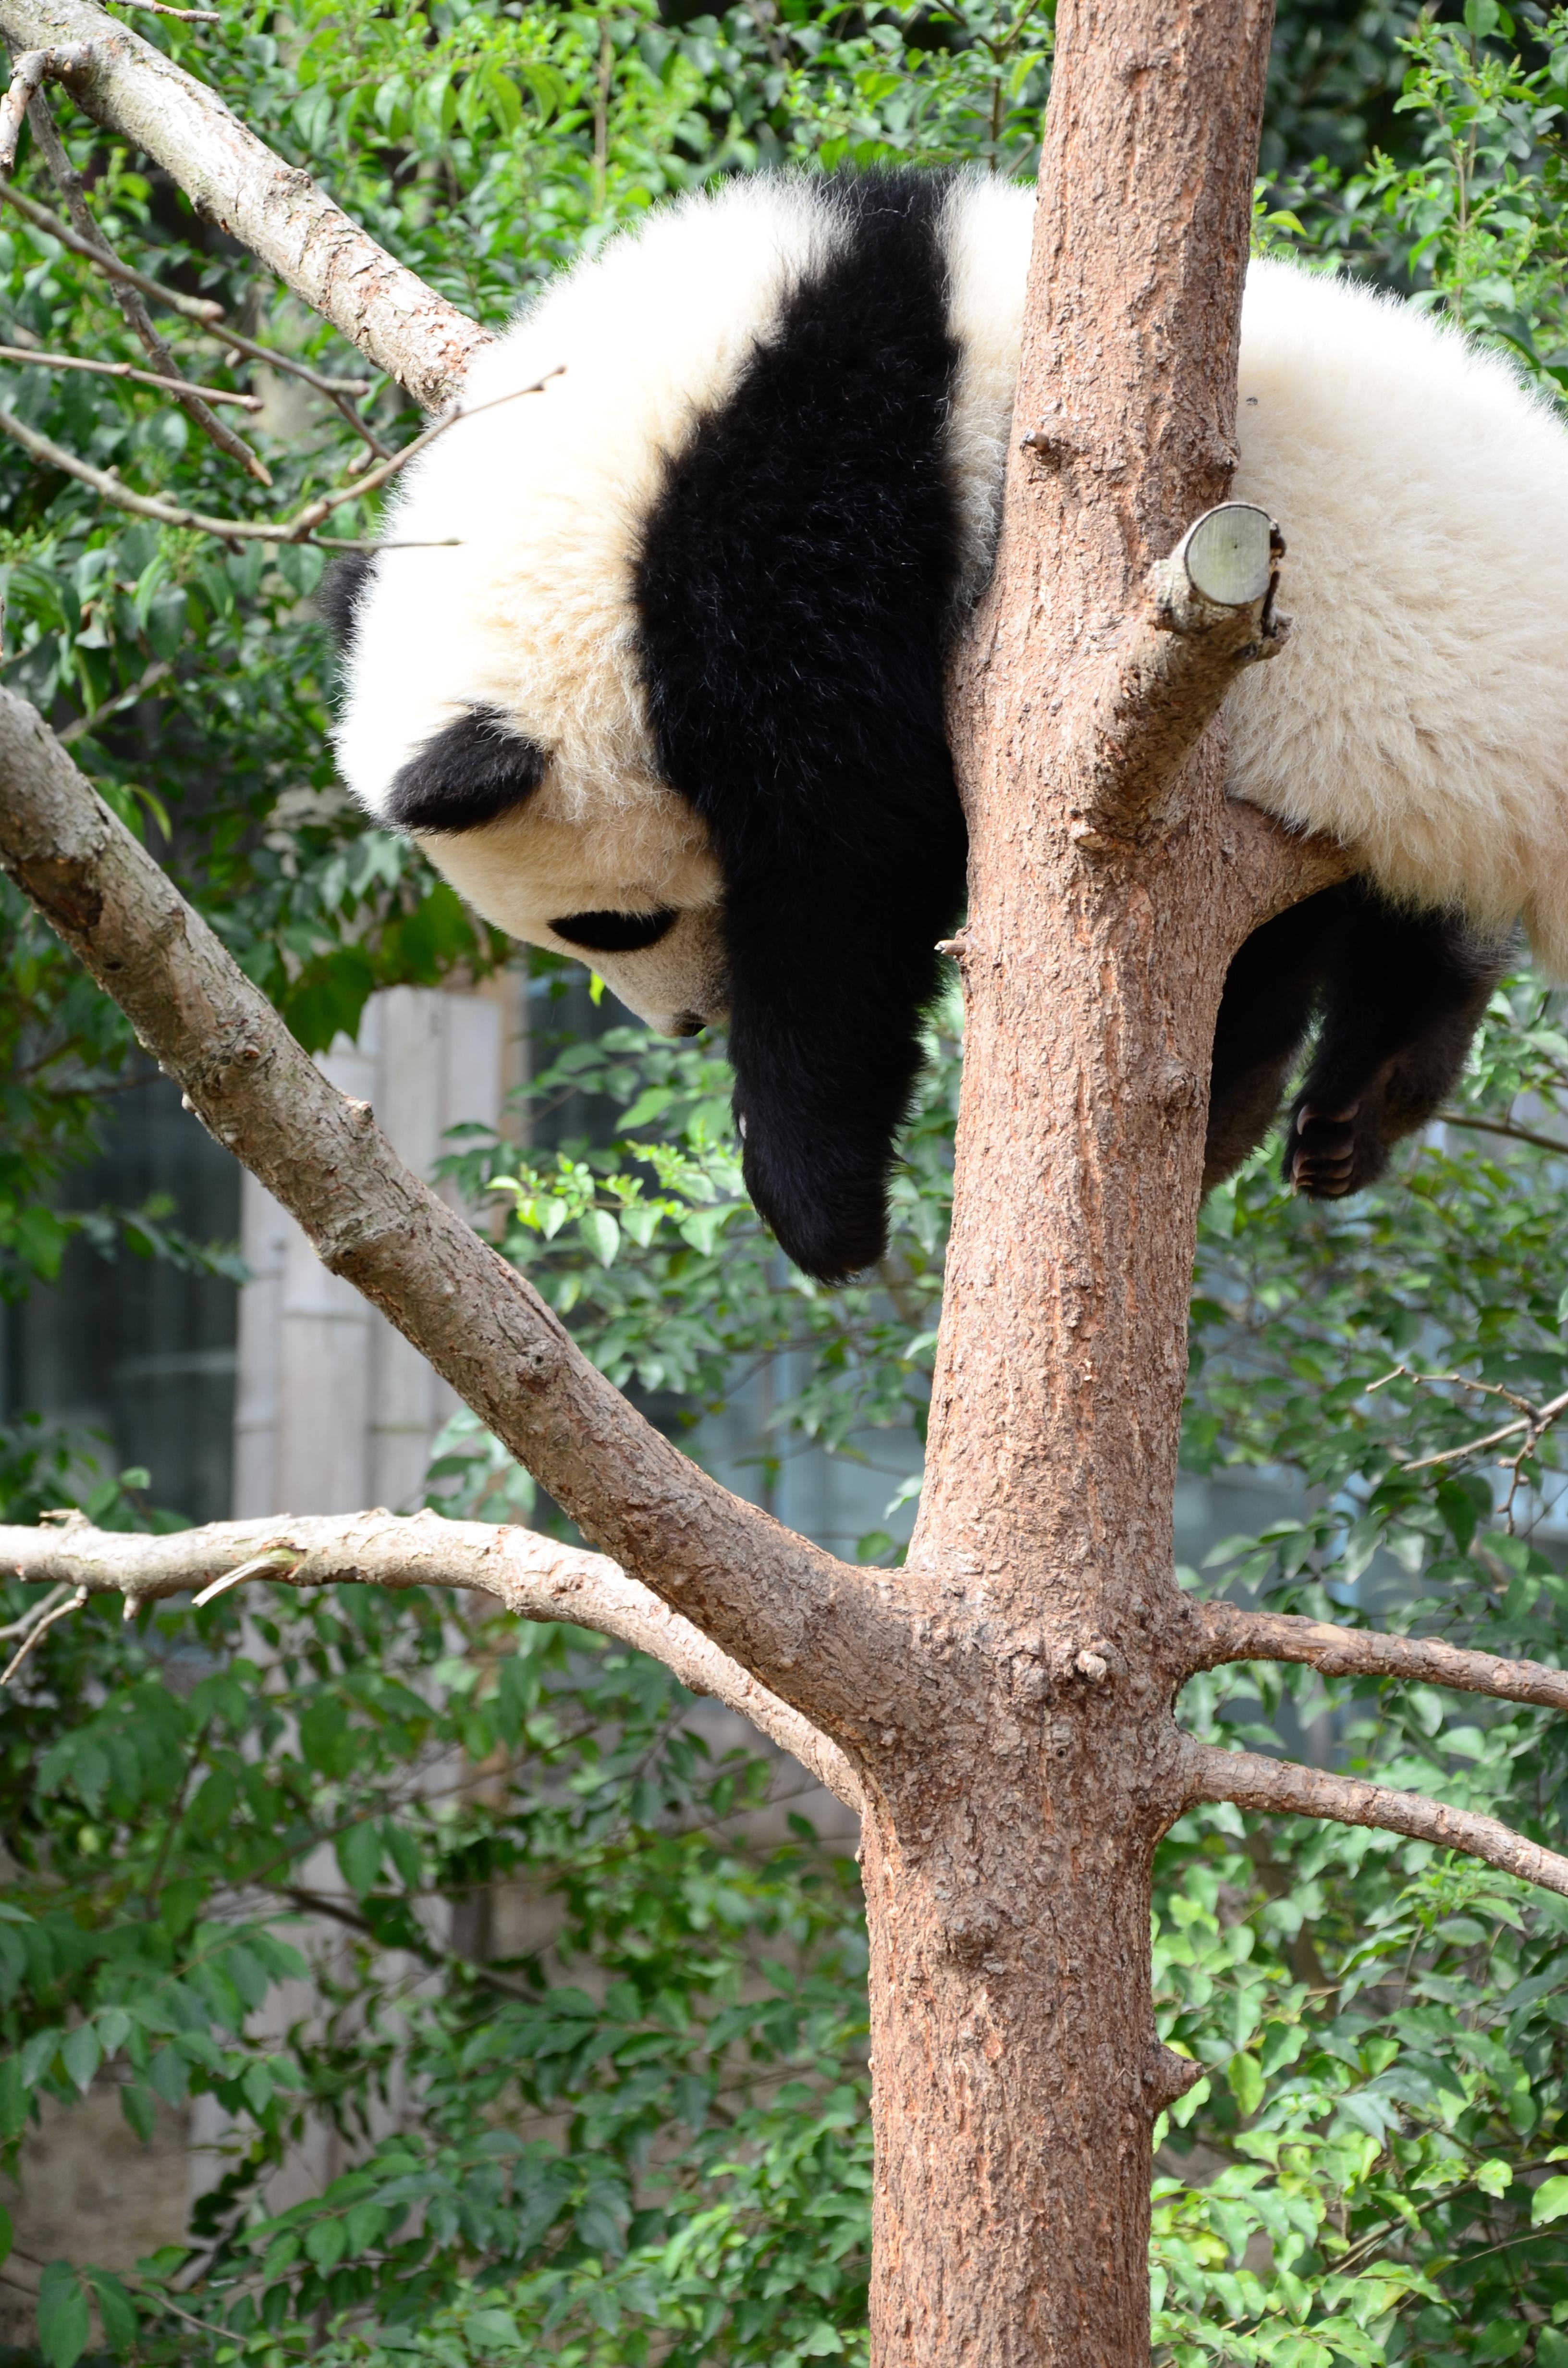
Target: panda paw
[1330,1154]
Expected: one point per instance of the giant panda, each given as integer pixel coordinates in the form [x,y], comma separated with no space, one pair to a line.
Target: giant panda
[652,664]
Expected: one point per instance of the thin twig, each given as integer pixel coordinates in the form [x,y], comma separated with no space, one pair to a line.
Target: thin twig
[1538,1421]
[1498,1126]
[129,370]
[96,251]
[162,8]
[156,673]
[300,528]
[1527,1406]
[30,1617]
[134,312]
[38,1629]
[203,310]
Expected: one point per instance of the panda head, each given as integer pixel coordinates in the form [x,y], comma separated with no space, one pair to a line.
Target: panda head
[586,852]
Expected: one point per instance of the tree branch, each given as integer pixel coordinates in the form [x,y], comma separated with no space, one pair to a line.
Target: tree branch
[137,318]
[30,72]
[1235,1633]
[127,370]
[300,528]
[234,179]
[825,1636]
[1281,1788]
[532,1576]
[1502,1126]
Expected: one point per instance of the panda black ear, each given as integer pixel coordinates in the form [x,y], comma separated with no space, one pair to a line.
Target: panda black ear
[474,772]
[343,587]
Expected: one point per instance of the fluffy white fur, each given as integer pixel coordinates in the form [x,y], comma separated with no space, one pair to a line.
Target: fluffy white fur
[1419,713]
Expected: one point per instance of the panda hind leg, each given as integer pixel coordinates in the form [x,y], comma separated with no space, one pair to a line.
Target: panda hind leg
[1405,997]
[1271,991]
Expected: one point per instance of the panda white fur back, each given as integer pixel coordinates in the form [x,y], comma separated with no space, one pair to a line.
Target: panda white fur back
[681,660]
[1419,712]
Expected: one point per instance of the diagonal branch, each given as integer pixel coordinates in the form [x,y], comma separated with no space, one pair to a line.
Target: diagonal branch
[234,179]
[820,1633]
[1231,1632]
[531,1575]
[1281,1788]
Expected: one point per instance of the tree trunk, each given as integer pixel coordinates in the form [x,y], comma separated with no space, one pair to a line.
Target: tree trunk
[1007,1859]
[1003,1704]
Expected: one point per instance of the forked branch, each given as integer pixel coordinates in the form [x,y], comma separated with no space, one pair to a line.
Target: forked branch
[532,1576]
[137,318]
[1281,1788]
[810,1627]
[234,179]
[1233,1634]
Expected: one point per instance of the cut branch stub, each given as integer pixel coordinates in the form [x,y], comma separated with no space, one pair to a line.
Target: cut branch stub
[1230,555]
[1134,719]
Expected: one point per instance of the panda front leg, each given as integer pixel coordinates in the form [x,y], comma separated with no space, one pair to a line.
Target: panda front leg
[1405,999]
[833,964]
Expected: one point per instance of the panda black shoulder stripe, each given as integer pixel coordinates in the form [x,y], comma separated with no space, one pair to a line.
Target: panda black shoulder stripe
[794,591]
[470,774]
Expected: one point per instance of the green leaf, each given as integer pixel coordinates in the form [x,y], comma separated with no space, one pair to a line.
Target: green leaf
[116,2309]
[82,2055]
[359,1856]
[600,1234]
[326,2241]
[62,2315]
[1549,2202]
[1244,2077]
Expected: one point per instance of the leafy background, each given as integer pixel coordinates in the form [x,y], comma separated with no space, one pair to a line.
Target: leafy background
[625,2120]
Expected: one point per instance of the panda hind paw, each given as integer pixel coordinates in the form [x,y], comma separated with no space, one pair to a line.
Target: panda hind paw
[1331,1154]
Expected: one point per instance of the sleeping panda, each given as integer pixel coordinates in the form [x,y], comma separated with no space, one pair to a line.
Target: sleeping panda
[654,668]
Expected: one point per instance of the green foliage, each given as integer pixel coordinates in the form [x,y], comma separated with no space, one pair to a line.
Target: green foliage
[631,2126]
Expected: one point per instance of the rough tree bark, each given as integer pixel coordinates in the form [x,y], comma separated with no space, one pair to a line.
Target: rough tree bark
[1002,1708]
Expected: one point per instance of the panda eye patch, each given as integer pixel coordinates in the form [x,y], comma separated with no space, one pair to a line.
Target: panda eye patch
[615,933]
[474,772]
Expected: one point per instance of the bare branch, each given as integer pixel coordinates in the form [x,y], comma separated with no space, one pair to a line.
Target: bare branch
[48,1612]
[1535,1423]
[1281,1788]
[532,1576]
[93,248]
[1134,721]
[162,8]
[1235,1633]
[300,528]
[1501,1126]
[234,179]
[88,242]
[128,371]
[137,318]
[811,1628]
[157,673]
